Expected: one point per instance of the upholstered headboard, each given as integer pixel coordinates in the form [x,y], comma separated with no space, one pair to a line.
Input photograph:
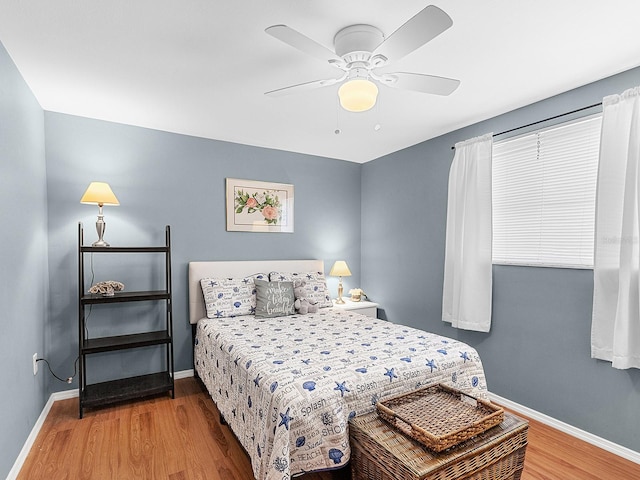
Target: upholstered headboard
[238,269]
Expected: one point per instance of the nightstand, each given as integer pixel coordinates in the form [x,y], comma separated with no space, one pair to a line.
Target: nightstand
[364,307]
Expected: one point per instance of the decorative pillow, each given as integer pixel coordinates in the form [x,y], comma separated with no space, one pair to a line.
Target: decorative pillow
[229,297]
[315,288]
[274,299]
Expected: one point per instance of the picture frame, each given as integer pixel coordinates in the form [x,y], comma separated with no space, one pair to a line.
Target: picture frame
[257,206]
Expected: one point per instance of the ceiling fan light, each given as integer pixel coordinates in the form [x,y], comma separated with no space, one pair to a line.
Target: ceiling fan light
[358,95]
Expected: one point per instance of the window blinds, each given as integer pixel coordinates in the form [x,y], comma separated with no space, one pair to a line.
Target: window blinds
[544,186]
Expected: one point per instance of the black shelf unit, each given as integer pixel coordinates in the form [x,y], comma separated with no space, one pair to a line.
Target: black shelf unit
[105,393]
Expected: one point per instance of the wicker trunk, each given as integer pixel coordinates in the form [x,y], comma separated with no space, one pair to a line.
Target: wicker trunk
[380,452]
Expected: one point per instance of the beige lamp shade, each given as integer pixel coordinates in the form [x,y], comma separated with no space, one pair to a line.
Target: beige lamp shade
[340,269]
[99,193]
[358,95]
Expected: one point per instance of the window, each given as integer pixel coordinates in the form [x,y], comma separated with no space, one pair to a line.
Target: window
[544,193]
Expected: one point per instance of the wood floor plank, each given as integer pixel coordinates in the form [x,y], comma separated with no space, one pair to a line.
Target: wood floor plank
[182,439]
[553,455]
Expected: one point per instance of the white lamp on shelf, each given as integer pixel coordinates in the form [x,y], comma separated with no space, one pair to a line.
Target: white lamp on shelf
[99,193]
[340,269]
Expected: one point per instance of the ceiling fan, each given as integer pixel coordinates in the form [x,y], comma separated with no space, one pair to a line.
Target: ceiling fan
[362,49]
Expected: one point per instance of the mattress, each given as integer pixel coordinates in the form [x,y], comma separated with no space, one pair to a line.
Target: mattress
[287,386]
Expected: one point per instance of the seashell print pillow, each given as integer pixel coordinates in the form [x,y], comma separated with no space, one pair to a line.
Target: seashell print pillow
[229,297]
[315,289]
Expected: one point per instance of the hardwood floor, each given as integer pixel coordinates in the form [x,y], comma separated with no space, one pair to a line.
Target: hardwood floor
[182,439]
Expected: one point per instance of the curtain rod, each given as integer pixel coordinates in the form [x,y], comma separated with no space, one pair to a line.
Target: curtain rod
[544,120]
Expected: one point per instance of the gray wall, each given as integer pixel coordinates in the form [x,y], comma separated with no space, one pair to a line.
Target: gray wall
[538,350]
[162,178]
[23,260]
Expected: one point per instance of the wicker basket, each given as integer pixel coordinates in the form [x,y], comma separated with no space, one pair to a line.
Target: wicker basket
[439,416]
[380,452]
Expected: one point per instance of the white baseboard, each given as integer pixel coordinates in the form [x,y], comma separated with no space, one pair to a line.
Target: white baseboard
[607,445]
[183,374]
[56,396]
[26,448]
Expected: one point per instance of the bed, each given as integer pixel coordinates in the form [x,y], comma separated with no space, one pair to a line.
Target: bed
[287,385]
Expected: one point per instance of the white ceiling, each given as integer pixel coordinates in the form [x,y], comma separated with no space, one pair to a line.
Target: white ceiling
[201,67]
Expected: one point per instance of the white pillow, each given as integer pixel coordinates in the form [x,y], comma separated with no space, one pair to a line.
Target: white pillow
[229,297]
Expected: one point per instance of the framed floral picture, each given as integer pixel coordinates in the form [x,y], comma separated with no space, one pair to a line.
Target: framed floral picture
[254,206]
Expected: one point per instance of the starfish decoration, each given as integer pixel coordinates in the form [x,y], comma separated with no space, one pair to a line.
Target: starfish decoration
[285,419]
[465,356]
[342,387]
[431,364]
[213,284]
[219,314]
[391,374]
[257,380]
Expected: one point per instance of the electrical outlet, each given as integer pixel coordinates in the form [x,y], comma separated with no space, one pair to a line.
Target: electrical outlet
[35,363]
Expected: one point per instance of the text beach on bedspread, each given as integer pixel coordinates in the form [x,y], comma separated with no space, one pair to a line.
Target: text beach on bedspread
[287,386]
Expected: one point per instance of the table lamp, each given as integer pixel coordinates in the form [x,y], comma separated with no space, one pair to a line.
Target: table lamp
[99,193]
[340,269]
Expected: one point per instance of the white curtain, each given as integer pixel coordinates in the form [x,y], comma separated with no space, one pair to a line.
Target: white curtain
[466,299]
[615,327]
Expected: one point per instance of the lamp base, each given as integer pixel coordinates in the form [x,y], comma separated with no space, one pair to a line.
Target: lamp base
[339,300]
[100,228]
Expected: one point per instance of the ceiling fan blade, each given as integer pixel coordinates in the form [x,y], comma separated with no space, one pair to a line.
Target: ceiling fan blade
[303,87]
[420,83]
[303,43]
[418,30]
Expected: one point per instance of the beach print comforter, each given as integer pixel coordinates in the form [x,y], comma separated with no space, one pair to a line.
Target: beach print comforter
[287,386]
